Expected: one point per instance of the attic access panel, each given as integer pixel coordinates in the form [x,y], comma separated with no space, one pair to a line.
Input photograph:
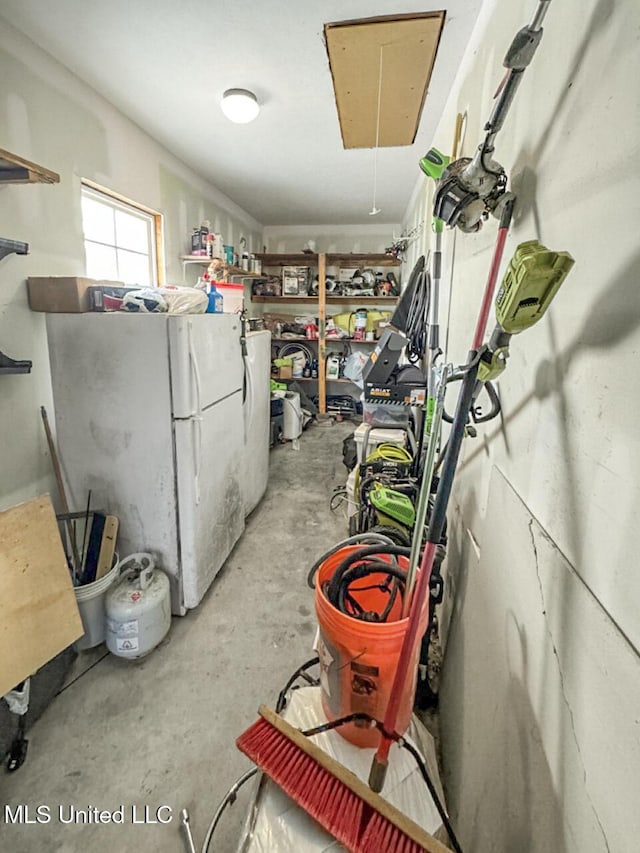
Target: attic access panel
[409,44]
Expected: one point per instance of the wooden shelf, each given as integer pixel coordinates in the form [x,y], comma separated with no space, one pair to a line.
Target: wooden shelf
[345,259]
[368,300]
[315,341]
[292,300]
[334,259]
[336,300]
[16,170]
[270,259]
[307,379]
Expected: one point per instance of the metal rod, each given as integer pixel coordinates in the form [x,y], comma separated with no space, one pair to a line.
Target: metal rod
[432,429]
[538,18]
[86,530]
[186,828]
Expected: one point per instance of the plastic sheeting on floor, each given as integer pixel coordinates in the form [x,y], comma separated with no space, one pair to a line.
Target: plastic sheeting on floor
[275,824]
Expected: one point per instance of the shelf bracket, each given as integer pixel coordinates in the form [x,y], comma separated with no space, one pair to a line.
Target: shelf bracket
[8,247]
[7,364]
[13,365]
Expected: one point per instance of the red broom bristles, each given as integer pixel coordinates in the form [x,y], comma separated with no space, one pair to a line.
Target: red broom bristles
[340,802]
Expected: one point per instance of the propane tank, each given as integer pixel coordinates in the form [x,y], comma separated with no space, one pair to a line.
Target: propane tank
[138,608]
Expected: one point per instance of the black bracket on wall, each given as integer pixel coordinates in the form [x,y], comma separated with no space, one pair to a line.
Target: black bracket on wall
[7,364]
[8,247]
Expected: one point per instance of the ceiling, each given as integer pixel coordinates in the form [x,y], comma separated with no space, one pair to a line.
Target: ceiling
[165,65]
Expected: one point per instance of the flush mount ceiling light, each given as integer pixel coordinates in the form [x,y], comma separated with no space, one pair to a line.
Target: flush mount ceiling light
[240,105]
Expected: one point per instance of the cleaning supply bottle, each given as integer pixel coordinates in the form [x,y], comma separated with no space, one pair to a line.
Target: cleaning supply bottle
[215,300]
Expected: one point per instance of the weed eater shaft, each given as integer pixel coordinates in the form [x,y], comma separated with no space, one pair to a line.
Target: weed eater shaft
[420,598]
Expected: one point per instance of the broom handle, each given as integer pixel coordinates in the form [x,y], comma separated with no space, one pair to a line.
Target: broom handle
[61,492]
[420,599]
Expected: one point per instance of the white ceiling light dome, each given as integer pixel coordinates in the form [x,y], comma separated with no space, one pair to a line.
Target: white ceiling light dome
[240,105]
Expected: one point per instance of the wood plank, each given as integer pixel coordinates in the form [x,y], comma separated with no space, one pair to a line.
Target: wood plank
[14,169]
[302,259]
[389,301]
[347,259]
[391,57]
[38,612]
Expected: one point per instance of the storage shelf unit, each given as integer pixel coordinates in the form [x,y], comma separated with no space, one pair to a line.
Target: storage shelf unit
[322,261]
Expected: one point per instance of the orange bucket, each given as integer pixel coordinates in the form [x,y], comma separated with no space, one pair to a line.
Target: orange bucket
[358,659]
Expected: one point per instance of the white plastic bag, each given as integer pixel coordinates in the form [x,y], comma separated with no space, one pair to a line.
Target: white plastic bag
[354,367]
[184,300]
[146,300]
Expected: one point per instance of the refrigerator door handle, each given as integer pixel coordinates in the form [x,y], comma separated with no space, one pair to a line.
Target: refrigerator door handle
[197,455]
[197,417]
[248,403]
[193,361]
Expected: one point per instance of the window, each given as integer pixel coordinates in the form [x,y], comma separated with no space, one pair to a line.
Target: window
[121,238]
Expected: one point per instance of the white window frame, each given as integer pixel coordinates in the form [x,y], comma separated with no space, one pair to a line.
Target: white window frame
[153,218]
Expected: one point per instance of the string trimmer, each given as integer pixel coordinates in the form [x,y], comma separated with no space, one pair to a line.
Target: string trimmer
[532,281]
[471,189]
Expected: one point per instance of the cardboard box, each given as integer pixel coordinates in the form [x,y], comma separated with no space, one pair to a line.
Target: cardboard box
[285,372]
[62,294]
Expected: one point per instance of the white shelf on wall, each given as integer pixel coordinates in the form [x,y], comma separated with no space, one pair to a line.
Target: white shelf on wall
[229,271]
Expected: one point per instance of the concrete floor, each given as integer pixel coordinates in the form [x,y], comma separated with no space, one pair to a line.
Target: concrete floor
[162,731]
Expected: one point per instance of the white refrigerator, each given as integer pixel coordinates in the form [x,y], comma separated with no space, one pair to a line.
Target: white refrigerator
[149,417]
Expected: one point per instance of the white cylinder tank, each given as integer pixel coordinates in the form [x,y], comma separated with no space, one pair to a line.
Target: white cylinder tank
[138,608]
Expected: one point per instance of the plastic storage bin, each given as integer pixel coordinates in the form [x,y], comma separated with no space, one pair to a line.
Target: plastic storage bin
[378,435]
[232,296]
[385,414]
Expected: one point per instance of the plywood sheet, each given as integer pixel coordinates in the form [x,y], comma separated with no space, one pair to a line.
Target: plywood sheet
[38,612]
[408,44]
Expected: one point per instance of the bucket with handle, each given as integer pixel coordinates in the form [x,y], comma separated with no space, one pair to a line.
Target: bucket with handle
[358,658]
[91,599]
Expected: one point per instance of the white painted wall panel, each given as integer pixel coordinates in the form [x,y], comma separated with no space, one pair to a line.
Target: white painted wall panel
[567,444]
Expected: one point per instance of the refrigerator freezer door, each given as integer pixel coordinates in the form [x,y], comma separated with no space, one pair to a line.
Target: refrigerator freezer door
[206,363]
[211,514]
[255,459]
[112,396]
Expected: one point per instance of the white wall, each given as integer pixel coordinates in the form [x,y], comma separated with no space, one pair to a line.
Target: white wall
[541,682]
[329,238]
[49,116]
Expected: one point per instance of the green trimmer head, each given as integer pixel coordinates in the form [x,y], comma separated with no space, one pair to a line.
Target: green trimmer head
[434,163]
